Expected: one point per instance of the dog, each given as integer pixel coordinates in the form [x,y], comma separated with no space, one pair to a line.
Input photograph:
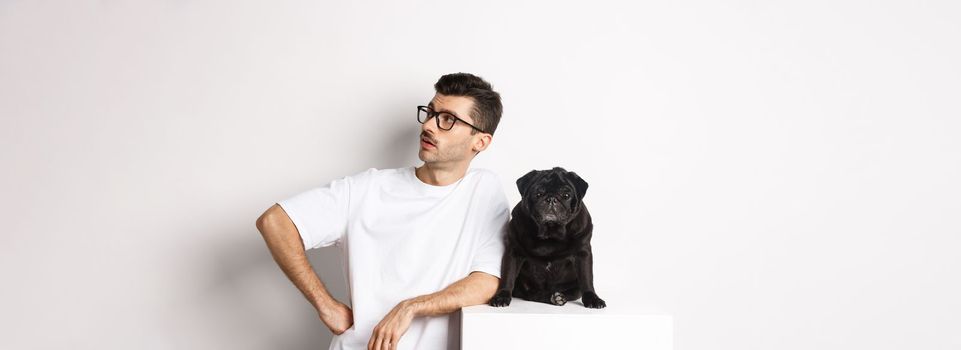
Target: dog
[548,255]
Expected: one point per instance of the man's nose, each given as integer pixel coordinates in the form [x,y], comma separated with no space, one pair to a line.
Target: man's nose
[431,125]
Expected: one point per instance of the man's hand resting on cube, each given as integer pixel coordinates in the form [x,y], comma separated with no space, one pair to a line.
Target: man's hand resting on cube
[387,333]
[475,289]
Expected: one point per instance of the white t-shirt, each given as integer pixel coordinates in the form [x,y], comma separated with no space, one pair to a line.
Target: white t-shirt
[403,238]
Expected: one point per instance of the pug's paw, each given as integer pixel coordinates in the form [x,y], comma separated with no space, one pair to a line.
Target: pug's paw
[558,299]
[501,298]
[591,300]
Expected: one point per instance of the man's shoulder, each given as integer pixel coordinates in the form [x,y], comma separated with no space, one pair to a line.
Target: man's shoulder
[489,180]
[374,173]
[359,180]
[484,172]
[486,176]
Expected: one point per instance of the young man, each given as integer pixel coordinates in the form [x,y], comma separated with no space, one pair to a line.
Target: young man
[420,242]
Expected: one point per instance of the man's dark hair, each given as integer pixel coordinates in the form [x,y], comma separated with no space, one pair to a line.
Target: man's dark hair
[487,102]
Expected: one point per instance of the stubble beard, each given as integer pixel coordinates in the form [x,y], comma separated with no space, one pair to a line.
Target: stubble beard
[447,154]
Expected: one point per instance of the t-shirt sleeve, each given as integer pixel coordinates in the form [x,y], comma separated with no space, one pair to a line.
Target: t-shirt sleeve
[320,213]
[490,252]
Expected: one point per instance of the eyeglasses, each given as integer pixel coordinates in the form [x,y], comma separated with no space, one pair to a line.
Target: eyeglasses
[444,120]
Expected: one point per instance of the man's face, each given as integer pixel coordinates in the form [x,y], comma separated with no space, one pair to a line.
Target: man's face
[448,145]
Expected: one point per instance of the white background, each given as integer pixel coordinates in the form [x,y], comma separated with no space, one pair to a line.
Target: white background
[776,175]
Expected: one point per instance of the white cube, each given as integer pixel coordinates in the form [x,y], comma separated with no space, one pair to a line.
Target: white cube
[530,325]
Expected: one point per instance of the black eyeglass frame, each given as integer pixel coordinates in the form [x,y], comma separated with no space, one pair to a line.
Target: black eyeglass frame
[433,114]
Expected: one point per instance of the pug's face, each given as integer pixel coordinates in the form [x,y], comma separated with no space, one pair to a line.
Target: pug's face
[551,197]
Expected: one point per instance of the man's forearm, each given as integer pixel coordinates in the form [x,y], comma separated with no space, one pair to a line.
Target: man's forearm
[477,288]
[288,251]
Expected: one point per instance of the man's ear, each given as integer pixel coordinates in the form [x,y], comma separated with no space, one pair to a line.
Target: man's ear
[525,181]
[481,143]
[579,184]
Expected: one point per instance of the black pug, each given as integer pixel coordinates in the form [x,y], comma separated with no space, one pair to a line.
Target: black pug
[548,255]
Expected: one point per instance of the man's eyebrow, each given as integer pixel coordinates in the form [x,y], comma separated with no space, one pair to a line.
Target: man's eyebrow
[431,105]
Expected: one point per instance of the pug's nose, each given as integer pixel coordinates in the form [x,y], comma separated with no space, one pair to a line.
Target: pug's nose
[551,200]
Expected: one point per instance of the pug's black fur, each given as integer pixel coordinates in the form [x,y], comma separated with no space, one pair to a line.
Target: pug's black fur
[548,255]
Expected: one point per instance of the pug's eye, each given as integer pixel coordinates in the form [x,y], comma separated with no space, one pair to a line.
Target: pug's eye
[566,195]
[539,194]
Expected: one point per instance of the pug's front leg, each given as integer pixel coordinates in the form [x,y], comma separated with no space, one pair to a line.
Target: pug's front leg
[510,266]
[585,279]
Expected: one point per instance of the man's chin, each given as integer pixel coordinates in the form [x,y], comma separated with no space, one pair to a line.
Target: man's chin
[426,157]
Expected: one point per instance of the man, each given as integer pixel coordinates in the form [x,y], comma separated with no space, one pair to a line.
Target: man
[420,243]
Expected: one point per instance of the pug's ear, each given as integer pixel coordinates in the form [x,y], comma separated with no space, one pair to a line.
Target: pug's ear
[526,181]
[579,184]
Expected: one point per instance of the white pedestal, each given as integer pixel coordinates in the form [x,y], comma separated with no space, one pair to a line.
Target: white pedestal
[530,325]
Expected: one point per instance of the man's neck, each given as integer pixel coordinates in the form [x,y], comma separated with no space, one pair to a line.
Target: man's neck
[440,175]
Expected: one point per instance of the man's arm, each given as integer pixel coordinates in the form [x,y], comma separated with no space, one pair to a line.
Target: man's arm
[476,288]
[287,248]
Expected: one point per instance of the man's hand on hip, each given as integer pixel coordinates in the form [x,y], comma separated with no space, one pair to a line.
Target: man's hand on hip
[337,316]
[387,333]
